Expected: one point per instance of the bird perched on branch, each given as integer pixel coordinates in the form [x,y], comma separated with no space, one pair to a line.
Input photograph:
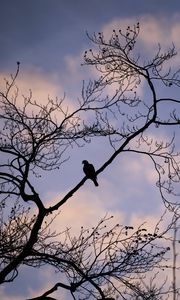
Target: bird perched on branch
[90,172]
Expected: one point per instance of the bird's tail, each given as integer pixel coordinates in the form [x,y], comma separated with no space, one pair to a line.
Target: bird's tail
[95,182]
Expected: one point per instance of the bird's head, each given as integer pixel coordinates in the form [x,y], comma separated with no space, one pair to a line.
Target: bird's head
[84,162]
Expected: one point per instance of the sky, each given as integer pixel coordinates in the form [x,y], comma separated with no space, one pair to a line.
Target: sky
[49,38]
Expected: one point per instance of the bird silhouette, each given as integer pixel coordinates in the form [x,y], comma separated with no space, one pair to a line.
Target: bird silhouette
[90,172]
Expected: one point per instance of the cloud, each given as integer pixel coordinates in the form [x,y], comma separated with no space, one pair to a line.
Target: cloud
[4,295]
[86,208]
[43,87]
[153,31]
[32,283]
[73,67]
[47,279]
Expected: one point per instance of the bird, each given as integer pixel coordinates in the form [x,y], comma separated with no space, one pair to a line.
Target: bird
[90,172]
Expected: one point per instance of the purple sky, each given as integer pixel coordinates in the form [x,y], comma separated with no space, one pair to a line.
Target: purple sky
[48,37]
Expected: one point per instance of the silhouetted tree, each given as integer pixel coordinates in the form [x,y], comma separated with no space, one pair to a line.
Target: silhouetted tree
[100,263]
